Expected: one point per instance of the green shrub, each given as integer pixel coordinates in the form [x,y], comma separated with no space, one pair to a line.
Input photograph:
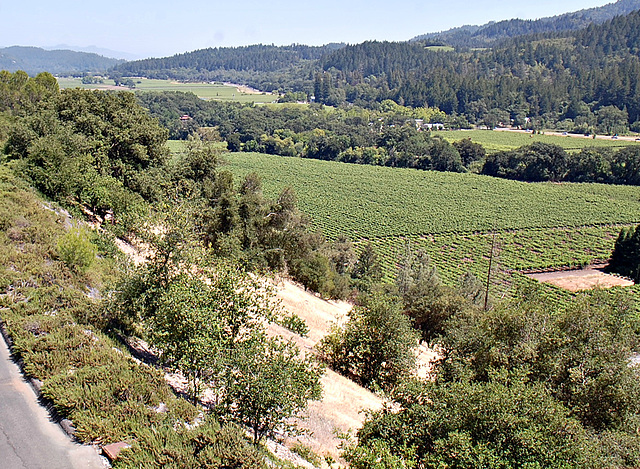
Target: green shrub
[295,324]
[76,250]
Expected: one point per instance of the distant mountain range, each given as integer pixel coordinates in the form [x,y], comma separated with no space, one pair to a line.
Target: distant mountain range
[487,35]
[114,54]
[34,60]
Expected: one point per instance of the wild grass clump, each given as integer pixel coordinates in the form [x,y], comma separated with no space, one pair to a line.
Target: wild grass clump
[307,454]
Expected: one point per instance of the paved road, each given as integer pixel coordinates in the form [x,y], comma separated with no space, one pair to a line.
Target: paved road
[28,439]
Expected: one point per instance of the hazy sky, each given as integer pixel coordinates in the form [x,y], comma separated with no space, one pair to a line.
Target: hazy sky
[164,27]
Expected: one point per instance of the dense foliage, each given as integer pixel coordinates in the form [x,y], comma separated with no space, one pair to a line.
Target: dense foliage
[93,151]
[520,384]
[389,137]
[212,63]
[544,162]
[394,137]
[88,147]
[625,258]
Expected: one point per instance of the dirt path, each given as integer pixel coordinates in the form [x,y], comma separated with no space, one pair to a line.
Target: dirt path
[243,88]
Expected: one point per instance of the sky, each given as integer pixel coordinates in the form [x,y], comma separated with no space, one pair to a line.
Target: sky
[161,28]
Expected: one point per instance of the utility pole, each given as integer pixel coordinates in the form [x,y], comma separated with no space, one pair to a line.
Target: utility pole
[486,294]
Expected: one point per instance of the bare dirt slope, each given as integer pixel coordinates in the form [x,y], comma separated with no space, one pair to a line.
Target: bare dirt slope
[343,401]
[583,279]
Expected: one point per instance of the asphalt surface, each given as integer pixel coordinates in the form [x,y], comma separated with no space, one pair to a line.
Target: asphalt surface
[28,437]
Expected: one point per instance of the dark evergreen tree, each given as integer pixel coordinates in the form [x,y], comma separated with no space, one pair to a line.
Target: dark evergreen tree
[625,258]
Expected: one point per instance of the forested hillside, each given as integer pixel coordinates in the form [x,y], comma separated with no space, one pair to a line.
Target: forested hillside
[486,35]
[569,80]
[212,63]
[548,77]
[34,60]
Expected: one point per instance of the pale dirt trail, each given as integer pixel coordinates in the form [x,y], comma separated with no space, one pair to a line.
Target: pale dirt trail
[344,403]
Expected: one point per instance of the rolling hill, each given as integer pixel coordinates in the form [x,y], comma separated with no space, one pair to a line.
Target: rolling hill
[488,34]
[34,60]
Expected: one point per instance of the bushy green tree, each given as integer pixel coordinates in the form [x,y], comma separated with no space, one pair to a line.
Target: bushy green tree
[367,270]
[535,162]
[499,423]
[375,346]
[268,383]
[425,299]
[188,330]
[94,148]
[625,257]
[469,151]
[76,250]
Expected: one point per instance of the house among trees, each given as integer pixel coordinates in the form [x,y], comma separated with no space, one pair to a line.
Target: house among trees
[420,125]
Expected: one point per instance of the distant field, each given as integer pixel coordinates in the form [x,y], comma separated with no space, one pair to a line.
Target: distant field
[441,48]
[217,92]
[495,141]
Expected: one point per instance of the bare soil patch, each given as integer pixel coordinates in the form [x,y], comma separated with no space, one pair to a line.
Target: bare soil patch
[243,88]
[588,278]
[343,403]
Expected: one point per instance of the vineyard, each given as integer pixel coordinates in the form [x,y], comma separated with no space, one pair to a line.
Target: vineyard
[453,217]
[514,250]
[494,141]
[371,202]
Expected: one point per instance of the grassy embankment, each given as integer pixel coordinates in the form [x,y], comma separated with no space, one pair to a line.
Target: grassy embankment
[53,278]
